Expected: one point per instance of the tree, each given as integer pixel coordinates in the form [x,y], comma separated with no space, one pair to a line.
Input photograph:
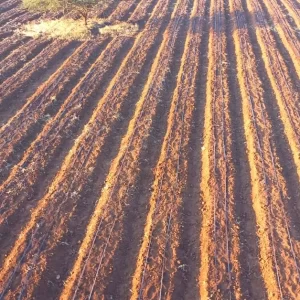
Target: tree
[83,7]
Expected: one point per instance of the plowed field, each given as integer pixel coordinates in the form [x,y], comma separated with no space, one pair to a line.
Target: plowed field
[164,165]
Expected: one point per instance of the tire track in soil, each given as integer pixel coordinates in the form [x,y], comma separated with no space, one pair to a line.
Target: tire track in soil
[251,281]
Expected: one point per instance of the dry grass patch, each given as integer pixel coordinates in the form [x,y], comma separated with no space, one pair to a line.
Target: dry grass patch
[70,29]
[121,28]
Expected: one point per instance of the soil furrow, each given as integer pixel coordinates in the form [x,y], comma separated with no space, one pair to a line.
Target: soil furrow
[15,88]
[59,129]
[18,58]
[251,280]
[123,10]
[157,257]
[10,44]
[123,174]
[69,287]
[277,71]
[10,15]
[271,196]
[162,164]
[24,126]
[219,244]
[36,160]
[4,34]
[291,13]
[56,128]
[8,6]
[15,23]
[89,153]
[35,110]
[79,221]
[186,284]
[93,183]
[286,34]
